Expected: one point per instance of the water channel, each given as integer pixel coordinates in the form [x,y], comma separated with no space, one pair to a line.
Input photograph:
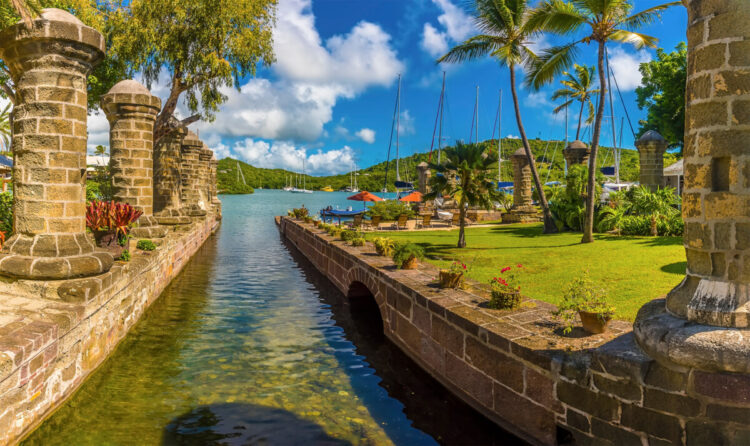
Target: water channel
[250,345]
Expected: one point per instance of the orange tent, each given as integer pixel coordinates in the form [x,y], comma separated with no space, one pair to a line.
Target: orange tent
[415,196]
[364,196]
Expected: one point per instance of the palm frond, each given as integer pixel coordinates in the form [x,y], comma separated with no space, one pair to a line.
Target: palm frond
[473,48]
[556,16]
[562,107]
[647,16]
[638,40]
[551,63]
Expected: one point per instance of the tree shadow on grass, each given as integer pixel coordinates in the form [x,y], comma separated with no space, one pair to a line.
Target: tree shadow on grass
[244,424]
[675,268]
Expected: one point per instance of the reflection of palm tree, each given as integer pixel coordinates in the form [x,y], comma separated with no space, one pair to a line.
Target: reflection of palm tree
[578,87]
[6,133]
[505,36]
[606,21]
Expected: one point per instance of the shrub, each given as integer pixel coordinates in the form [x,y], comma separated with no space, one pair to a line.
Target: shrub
[358,241]
[348,235]
[111,217]
[582,294]
[145,245]
[300,212]
[390,209]
[6,212]
[405,252]
[125,256]
[384,246]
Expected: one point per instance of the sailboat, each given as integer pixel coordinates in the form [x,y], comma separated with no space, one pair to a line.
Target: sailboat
[304,185]
[288,183]
[353,181]
[396,123]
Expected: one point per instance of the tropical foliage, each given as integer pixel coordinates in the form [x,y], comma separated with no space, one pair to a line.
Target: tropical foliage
[406,252]
[578,87]
[113,217]
[604,21]
[507,37]
[464,176]
[389,209]
[6,212]
[568,204]
[640,211]
[582,294]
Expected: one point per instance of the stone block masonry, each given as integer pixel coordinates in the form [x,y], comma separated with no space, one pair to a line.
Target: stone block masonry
[54,334]
[523,210]
[516,369]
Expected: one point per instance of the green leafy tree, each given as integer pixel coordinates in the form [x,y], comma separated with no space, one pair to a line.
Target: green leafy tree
[604,21]
[578,86]
[202,45]
[5,129]
[464,174]
[505,36]
[662,94]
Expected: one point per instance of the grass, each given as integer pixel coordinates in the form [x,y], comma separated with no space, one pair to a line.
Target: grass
[633,270]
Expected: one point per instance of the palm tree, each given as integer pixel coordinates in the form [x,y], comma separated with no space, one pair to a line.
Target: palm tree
[505,37]
[606,20]
[578,87]
[6,132]
[464,175]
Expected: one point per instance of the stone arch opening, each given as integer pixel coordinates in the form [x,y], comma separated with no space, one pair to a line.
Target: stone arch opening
[364,308]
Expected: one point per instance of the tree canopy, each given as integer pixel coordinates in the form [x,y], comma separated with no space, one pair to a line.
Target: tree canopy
[202,45]
[662,94]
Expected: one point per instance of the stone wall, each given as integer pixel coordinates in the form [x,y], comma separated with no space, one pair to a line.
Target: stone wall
[517,370]
[54,334]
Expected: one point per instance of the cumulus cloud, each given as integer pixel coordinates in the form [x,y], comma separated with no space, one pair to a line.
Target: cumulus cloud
[366,135]
[434,41]
[457,23]
[98,128]
[286,155]
[625,67]
[406,123]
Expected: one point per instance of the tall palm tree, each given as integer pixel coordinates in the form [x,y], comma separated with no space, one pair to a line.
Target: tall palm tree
[579,86]
[464,175]
[505,37]
[604,21]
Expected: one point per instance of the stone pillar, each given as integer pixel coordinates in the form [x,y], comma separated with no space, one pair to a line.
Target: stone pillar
[577,152]
[49,65]
[215,202]
[651,147]
[193,201]
[424,173]
[523,210]
[131,111]
[167,181]
[706,322]
[205,157]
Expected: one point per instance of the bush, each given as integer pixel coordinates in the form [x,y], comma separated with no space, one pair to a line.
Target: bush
[145,245]
[583,295]
[348,235]
[300,213]
[384,246]
[390,210]
[6,212]
[358,241]
[405,252]
[125,256]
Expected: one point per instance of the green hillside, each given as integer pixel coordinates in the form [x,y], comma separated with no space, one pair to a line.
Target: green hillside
[548,154]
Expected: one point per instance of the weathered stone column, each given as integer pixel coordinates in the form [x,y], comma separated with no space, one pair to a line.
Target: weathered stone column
[651,147]
[213,182]
[193,201]
[523,210]
[705,324]
[423,170]
[205,157]
[131,111]
[167,180]
[49,65]
[577,152]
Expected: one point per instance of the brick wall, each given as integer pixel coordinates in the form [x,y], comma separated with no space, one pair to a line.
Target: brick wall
[515,369]
[54,334]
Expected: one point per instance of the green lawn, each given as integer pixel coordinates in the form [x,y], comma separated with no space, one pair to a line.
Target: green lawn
[634,270]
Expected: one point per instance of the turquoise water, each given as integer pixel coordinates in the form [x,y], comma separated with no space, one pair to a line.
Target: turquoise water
[250,345]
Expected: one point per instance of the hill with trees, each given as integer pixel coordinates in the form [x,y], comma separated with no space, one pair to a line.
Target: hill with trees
[548,154]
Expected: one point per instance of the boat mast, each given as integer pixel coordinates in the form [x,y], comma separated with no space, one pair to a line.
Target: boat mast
[398,123]
[476,108]
[500,137]
[440,131]
[390,140]
[615,151]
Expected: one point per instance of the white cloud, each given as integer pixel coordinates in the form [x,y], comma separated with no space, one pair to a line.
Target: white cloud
[457,23]
[286,155]
[625,67]
[512,136]
[366,135]
[406,123]
[98,128]
[434,41]
[538,99]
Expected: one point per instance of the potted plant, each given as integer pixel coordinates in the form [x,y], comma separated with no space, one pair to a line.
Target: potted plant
[110,223]
[358,241]
[453,276]
[407,255]
[384,246]
[506,289]
[583,298]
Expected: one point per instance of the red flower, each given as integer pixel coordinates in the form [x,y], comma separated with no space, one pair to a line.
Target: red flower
[520,266]
[507,268]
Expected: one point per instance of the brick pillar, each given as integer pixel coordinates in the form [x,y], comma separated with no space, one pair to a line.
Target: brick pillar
[131,111]
[49,65]
[577,152]
[651,147]
[190,173]
[716,201]
[167,180]
[523,210]
[424,173]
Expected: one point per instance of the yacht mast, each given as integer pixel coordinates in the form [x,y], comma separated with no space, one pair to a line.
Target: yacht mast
[500,137]
[398,123]
[442,106]
[476,108]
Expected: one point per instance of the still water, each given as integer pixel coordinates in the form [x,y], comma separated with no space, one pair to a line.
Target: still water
[250,345]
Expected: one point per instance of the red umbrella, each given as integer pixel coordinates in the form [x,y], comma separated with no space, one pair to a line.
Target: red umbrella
[364,196]
[415,196]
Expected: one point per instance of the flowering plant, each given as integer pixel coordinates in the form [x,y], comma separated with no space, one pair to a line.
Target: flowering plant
[507,280]
[111,217]
[458,267]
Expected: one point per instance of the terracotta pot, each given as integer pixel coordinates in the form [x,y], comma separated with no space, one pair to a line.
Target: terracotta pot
[449,279]
[410,263]
[594,323]
[108,241]
[504,300]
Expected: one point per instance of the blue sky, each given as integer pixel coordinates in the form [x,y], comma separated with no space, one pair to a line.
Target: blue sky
[329,98]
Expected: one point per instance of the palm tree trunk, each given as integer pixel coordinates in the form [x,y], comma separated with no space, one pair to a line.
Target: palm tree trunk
[588,224]
[461,223]
[580,117]
[549,222]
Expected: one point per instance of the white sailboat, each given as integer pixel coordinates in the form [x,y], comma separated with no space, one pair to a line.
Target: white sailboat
[287,183]
[304,184]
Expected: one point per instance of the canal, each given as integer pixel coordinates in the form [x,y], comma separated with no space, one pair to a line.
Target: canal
[250,345]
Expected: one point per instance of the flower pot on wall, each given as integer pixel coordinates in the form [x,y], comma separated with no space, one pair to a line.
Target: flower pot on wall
[410,263]
[505,300]
[450,279]
[594,323]
[109,241]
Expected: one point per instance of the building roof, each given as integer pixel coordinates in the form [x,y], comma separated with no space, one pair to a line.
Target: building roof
[675,169]
[6,162]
